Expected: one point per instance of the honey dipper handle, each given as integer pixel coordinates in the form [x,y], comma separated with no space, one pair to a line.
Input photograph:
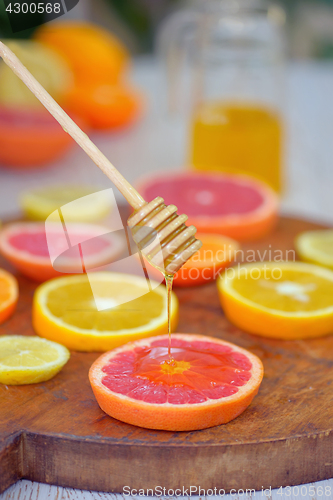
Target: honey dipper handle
[69,126]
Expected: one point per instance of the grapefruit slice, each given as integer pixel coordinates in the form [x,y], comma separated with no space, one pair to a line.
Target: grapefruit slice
[30,137]
[282,300]
[209,382]
[8,295]
[25,246]
[234,205]
[130,308]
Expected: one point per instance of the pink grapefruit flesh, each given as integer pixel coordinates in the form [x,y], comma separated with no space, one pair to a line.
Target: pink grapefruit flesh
[234,205]
[207,382]
[26,246]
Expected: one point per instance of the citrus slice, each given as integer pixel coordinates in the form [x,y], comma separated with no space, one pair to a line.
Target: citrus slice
[46,65]
[8,295]
[30,137]
[25,245]
[29,360]
[65,310]
[216,253]
[93,53]
[39,204]
[288,300]
[316,247]
[234,205]
[209,382]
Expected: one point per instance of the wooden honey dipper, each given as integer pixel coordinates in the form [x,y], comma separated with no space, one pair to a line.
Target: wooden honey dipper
[158,231]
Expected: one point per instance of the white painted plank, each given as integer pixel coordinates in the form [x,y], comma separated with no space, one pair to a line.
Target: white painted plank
[27,490]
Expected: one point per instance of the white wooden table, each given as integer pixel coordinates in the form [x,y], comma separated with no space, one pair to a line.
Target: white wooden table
[158,144]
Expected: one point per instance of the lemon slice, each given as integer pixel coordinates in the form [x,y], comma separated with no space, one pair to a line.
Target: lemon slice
[289,300]
[316,247]
[28,360]
[103,312]
[48,67]
[39,204]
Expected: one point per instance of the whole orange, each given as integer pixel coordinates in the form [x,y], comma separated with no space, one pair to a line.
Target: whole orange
[105,106]
[94,54]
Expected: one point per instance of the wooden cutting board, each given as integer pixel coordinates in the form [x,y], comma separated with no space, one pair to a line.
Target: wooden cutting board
[55,432]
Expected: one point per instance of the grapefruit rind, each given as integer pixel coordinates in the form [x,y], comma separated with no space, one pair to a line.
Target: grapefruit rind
[166,416]
[254,318]
[48,326]
[250,226]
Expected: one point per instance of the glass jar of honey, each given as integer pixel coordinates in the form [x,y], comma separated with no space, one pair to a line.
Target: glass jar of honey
[234,49]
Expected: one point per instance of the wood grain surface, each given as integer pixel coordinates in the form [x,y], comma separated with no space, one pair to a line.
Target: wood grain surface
[55,432]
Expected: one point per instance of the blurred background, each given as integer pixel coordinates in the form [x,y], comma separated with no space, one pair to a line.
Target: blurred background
[309,23]
[144,109]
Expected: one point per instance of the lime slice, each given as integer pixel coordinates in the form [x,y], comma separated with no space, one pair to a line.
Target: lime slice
[46,66]
[28,360]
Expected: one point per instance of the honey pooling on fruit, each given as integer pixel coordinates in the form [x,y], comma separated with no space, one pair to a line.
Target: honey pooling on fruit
[199,371]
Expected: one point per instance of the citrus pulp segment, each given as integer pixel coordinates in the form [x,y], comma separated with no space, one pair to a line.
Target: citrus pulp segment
[27,247]
[8,294]
[316,247]
[285,300]
[65,310]
[39,204]
[237,206]
[29,360]
[209,382]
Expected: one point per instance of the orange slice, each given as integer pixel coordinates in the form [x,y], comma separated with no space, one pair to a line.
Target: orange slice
[237,206]
[102,312]
[288,300]
[209,382]
[216,253]
[8,295]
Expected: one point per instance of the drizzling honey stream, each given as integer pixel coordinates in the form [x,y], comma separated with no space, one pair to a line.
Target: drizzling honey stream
[165,241]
